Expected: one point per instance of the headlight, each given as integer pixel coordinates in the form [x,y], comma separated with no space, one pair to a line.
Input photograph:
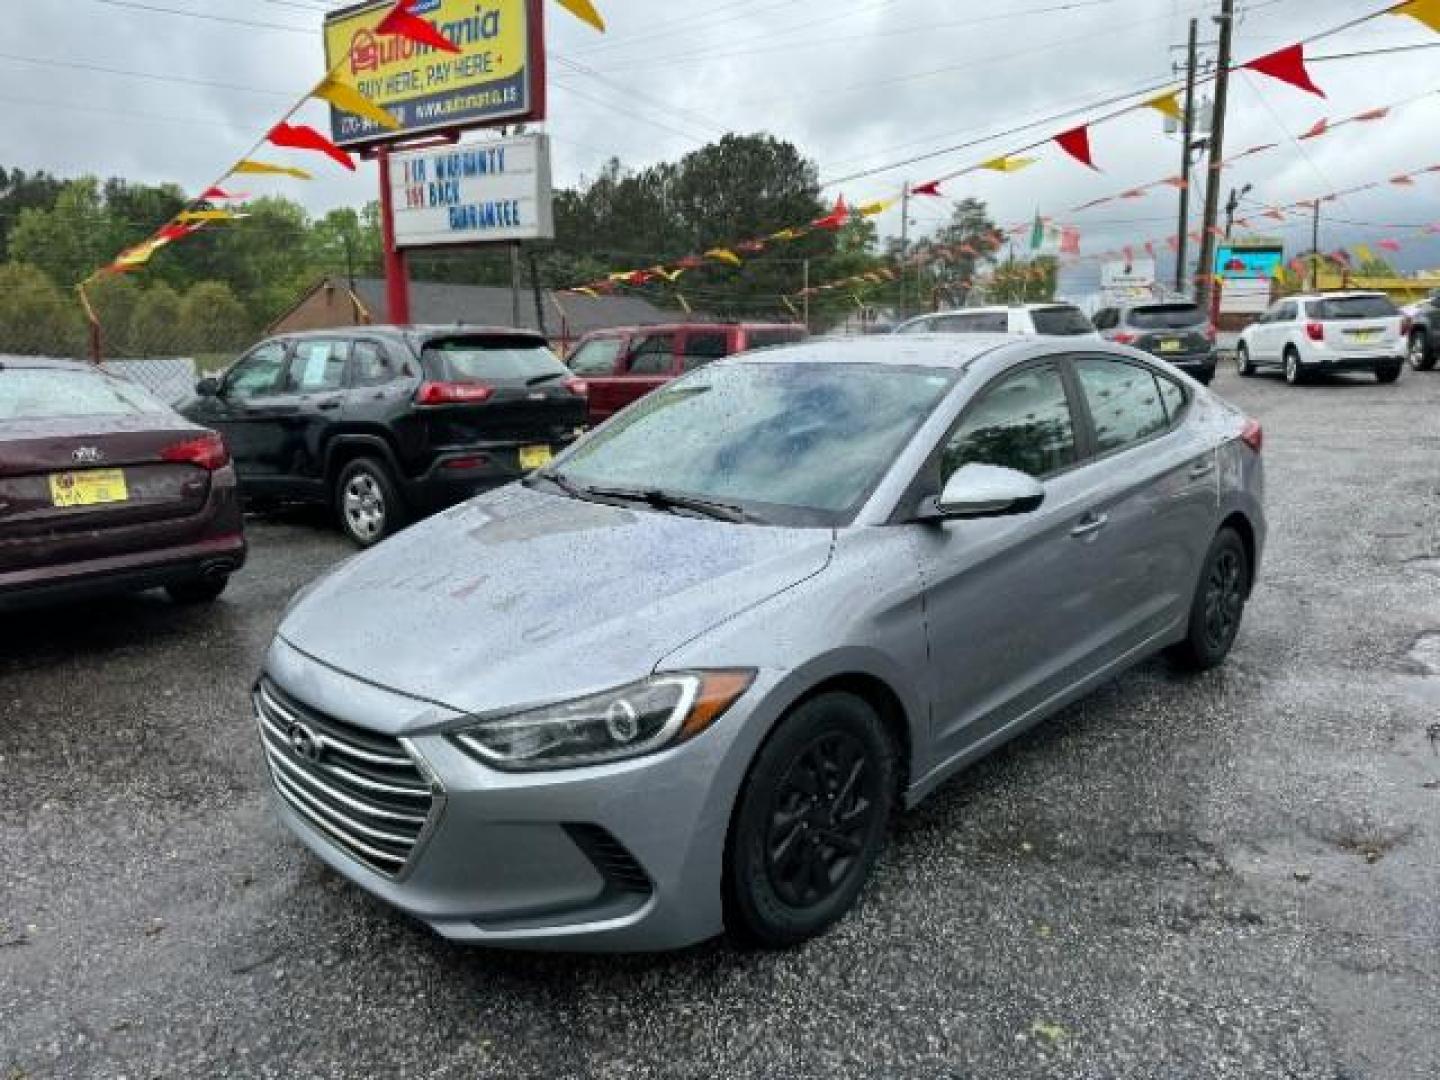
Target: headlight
[646,716]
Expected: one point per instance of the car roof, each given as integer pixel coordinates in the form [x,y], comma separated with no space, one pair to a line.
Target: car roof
[1337,294]
[906,350]
[50,363]
[414,330]
[673,327]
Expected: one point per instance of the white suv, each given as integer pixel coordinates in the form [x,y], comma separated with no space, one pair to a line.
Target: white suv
[1030,320]
[1340,331]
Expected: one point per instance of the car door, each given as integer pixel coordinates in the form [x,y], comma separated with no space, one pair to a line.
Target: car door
[247,410]
[1152,488]
[1008,600]
[650,362]
[1277,331]
[597,360]
[316,384]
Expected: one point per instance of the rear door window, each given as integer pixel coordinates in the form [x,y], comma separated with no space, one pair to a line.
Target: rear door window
[1061,321]
[652,354]
[493,358]
[1341,308]
[988,322]
[318,366]
[597,357]
[370,364]
[1125,403]
[1167,317]
[704,347]
[46,393]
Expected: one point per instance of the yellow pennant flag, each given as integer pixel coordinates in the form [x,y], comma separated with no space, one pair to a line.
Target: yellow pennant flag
[138,255]
[724,255]
[264,168]
[1168,105]
[1008,164]
[1363,253]
[671,276]
[348,99]
[585,11]
[619,275]
[874,208]
[188,216]
[787,234]
[591,293]
[1427,11]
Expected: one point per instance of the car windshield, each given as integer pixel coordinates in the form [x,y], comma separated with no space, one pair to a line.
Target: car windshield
[1064,321]
[794,444]
[45,393]
[1167,317]
[491,359]
[1354,307]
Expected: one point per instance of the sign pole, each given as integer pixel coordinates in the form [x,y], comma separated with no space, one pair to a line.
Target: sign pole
[397,279]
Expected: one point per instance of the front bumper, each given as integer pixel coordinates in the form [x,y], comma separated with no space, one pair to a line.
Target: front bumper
[626,856]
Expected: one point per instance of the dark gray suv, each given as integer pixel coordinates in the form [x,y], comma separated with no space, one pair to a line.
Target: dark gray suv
[1176,331]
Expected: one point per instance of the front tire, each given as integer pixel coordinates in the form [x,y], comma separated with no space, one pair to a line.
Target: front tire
[1420,354]
[810,822]
[367,502]
[1243,364]
[1218,605]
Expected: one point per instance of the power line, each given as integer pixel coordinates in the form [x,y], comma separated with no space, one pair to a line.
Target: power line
[206,16]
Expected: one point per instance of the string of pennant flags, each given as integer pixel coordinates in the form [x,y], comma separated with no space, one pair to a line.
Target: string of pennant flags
[216,205]
[1287,65]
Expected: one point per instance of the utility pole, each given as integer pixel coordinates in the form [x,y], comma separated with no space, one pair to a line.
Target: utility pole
[1204,289]
[516,285]
[1315,249]
[535,287]
[1182,235]
[1231,205]
[805,294]
[905,253]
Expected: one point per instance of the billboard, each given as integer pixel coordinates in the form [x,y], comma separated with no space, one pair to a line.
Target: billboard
[478,192]
[1123,281]
[1249,260]
[497,77]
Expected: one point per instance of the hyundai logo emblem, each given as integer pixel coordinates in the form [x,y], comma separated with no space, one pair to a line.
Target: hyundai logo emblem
[305,743]
[87,455]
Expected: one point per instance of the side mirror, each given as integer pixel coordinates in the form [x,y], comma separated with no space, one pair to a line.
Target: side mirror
[988,491]
[208,387]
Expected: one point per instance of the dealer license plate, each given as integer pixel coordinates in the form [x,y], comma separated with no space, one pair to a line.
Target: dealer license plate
[94,487]
[1171,345]
[535,457]
[1363,336]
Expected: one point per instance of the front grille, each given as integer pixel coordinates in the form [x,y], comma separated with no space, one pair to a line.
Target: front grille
[362,790]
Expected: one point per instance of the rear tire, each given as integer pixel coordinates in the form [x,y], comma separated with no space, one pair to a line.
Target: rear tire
[1243,364]
[1294,374]
[1218,605]
[810,821]
[1420,353]
[200,590]
[367,502]
[1388,374]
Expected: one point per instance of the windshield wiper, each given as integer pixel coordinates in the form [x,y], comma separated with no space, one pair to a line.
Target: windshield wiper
[569,487]
[666,500]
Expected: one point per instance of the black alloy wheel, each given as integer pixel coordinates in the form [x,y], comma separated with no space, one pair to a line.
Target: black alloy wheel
[1218,606]
[810,821]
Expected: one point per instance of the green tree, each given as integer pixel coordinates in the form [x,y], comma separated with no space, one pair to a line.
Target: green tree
[1029,282]
[36,318]
[71,239]
[19,191]
[155,328]
[212,320]
[113,298]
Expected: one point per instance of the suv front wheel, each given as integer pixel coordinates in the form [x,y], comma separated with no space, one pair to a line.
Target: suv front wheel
[368,502]
[1422,357]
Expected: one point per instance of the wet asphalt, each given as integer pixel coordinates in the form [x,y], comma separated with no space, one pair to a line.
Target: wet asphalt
[1236,875]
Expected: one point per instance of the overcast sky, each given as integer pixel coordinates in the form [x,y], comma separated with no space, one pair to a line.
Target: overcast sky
[854,83]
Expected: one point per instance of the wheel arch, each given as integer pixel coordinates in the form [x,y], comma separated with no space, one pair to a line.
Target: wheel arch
[343,449]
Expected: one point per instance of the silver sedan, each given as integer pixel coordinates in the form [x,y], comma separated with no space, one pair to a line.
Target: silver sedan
[680,680]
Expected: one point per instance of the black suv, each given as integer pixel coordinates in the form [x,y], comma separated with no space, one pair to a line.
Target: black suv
[1176,331]
[384,422]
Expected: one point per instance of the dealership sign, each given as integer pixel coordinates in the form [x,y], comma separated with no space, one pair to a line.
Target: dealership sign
[497,77]
[480,192]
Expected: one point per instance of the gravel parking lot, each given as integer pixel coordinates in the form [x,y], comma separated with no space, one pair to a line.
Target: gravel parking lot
[1232,875]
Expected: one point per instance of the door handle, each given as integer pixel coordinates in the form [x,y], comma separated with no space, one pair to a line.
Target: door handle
[1201,469]
[329,404]
[1089,525]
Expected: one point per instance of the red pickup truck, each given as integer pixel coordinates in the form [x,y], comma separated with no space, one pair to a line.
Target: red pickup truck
[624,364]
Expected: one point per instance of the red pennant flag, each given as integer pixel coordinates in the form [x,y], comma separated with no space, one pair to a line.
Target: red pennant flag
[1069,240]
[1373,114]
[932,189]
[1150,248]
[691,262]
[1129,254]
[835,219]
[1287,65]
[403,22]
[1217,232]
[751,247]
[221,195]
[1276,214]
[304,137]
[1388,245]
[1402,181]
[1177,182]
[176,232]
[1172,243]
[1133,193]
[1076,143]
[1321,127]
[1297,264]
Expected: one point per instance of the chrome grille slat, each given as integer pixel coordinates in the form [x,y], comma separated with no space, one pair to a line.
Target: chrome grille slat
[363,791]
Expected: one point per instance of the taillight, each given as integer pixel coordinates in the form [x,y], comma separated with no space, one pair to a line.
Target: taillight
[578,387]
[1253,435]
[1124,337]
[208,452]
[1315,331]
[453,393]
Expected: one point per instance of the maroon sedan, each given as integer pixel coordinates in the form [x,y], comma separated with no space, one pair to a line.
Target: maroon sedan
[104,489]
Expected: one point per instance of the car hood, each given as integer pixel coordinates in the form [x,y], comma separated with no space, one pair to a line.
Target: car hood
[522,597]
